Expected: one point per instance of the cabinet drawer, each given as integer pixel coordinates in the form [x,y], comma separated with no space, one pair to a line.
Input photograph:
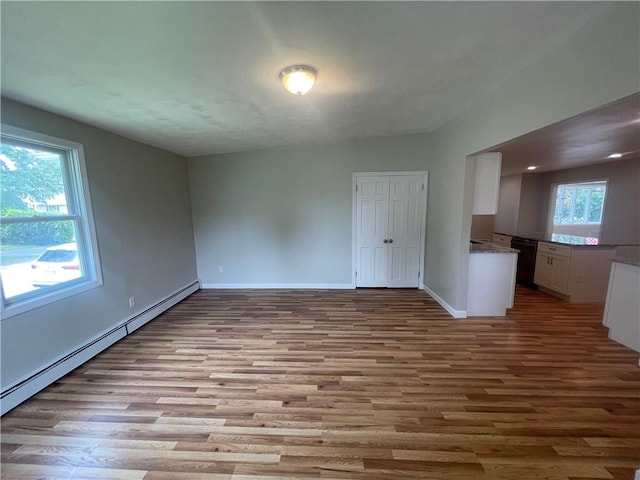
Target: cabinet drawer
[554,249]
[504,240]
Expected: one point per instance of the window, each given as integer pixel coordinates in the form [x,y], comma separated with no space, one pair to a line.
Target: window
[48,249]
[578,208]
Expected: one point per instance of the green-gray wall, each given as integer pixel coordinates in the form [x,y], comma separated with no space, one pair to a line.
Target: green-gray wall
[141,205]
[283,215]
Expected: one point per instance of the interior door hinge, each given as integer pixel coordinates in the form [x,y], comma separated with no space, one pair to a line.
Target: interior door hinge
[423,187]
[356,188]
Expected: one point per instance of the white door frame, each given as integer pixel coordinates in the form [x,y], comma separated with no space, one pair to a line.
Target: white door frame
[423,220]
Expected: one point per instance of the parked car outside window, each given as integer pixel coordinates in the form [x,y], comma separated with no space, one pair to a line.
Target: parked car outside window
[56,265]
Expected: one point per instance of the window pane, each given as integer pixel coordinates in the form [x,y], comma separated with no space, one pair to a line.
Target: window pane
[564,201]
[580,204]
[37,255]
[32,181]
[595,205]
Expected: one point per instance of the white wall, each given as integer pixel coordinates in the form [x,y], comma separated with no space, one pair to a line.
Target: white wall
[598,65]
[283,215]
[142,213]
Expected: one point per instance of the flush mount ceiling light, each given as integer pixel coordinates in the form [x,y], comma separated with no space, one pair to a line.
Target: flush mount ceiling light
[532,167]
[615,155]
[298,79]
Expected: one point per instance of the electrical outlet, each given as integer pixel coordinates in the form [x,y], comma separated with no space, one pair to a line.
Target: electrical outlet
[220,269]
[132,302]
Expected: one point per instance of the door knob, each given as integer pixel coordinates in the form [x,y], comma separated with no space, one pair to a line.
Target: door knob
[386,241]
[390,240]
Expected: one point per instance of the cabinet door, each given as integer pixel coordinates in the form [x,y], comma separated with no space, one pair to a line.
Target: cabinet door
[503,240]
[543,270]
[559,274]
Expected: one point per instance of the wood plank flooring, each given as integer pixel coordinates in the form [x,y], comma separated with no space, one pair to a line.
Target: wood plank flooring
[359,384]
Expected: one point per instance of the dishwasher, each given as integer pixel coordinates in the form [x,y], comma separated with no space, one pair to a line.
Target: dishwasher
[526,267]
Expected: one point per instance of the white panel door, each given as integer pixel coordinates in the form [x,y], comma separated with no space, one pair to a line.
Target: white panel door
[372,224]
[389,213]
[405,223]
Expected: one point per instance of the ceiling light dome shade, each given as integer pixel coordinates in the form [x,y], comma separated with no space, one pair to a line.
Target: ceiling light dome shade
[298,79]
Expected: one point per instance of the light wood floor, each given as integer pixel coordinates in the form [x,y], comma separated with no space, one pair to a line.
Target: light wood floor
[364,384]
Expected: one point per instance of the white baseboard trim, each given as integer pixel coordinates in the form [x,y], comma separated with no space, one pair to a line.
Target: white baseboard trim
[452,311]
[152,312]
[288,286]
[44,376]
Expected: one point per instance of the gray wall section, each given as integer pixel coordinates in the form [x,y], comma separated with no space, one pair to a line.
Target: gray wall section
[621,216]
[284,215]
[506,219]
[141,205]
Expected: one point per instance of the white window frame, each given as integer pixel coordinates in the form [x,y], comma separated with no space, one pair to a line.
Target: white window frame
[553,198]
[80,212]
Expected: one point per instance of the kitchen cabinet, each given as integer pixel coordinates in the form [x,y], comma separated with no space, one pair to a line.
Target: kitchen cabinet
[577,274]
[552,267]
[502,240]
[486,185]
[492,280]
[622,309]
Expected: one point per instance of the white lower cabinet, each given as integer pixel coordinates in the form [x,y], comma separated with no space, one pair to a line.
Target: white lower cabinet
[622,309]
[552,267]
[578,273]
[492,281]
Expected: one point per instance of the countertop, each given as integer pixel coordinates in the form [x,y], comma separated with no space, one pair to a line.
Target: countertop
[477,246]
[573,240]
[627,260]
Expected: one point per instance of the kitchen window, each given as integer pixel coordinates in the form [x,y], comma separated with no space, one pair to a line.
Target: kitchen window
[578,208]
[48,248]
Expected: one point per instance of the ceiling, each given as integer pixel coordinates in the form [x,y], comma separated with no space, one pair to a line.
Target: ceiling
[199,78]
[586,139]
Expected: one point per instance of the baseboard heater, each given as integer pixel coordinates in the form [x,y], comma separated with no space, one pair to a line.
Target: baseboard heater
[17,393]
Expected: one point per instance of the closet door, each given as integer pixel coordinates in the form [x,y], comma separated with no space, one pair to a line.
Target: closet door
[389,213]
[372,224]
[405,224]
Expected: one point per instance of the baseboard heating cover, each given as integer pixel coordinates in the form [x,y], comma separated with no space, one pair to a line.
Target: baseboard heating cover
[13,395]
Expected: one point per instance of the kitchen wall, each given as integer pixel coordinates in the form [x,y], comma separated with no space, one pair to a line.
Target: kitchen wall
[506,219]
[572,79]
[524,199]
[482,227]
[141,205]
[284,215]
[621,216]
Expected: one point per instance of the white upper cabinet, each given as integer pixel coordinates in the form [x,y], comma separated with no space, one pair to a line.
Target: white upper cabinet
[486,184]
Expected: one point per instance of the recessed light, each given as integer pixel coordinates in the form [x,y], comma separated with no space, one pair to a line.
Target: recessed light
[615,155]
[532,167]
